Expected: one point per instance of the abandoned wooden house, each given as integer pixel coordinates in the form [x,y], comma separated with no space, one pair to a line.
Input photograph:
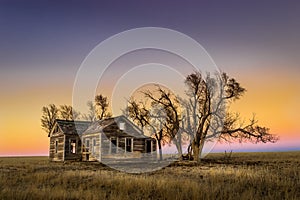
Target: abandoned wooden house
[111,138]
[116,138]
[65,142]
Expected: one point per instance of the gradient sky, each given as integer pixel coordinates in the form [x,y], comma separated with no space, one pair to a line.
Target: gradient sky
[43,43]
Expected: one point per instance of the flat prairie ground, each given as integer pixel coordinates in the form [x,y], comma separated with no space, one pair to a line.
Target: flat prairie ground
[241,176]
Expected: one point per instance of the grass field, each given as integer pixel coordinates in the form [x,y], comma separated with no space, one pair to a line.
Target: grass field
[242,176]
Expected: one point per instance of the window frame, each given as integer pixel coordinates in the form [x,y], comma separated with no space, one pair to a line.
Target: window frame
[131,144]
[122,126]
[151,147]
[116,146]
[71,148]
[94,145]
[56,146]
[87,145]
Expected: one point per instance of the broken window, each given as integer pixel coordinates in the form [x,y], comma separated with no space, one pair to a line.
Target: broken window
[94,145]
[148,146]
[113,145]
[128,144]
[87,145]
[56,146]
[73,146]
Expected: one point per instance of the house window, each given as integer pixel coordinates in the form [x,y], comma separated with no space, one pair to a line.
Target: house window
[148,146]
[56,146]
[128,144]
[73,146]
[94,146]
[113,145]
[122,126]
[87,145]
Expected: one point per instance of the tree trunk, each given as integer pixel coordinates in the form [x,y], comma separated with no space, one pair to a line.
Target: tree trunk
[196,149]
[178,147]
[200,149]
[159,149]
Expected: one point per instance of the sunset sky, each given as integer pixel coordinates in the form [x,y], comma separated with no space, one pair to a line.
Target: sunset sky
[43,43]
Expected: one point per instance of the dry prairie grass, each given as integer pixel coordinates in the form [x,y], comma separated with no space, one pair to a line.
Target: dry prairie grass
[243,176]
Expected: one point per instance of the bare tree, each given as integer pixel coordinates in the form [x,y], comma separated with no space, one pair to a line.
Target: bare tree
[172,108]
[208,118]
[68,113]
[235,130]
[91,115]
[97,110]
[49,114]
[101,106]
[144,118]
[138,113]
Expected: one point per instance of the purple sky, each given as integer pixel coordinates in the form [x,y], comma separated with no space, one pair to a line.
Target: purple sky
[38,34]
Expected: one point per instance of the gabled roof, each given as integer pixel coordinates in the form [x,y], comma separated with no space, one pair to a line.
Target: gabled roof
[70,126]
[101,125]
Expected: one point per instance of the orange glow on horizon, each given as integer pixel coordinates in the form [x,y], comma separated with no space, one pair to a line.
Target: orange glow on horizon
[276,104]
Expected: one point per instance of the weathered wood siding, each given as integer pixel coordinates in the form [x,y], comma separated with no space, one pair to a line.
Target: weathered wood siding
[139,145]
[57,154]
